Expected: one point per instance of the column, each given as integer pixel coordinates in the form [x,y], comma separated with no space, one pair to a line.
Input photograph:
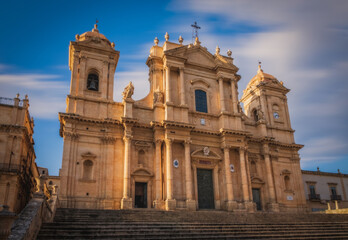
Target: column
[126,173]
[169,169]
[222,98]
[229,186]
[168,96]
[182,87]
[270,178]
[188,173]
[170,202]
[158,170]
[234,97]
[244,174]
[126,202]
[271,190]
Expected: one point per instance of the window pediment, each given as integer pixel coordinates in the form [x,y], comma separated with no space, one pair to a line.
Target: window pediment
[142,172]
[204,154]
[88,155]
[200,81]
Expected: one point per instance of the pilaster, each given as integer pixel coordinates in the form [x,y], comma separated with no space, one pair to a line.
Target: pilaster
[231,203]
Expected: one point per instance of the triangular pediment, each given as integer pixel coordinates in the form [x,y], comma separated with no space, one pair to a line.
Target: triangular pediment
[201,57]
[142,172]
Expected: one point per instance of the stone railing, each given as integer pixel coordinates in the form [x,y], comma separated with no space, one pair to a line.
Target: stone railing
[37,211]
[10,101]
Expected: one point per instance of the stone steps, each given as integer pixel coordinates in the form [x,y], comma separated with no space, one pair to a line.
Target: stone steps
[149,224]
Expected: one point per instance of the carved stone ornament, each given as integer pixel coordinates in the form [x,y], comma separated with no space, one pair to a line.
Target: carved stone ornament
[158,96]
[206,151]
[176,163]
[260,114]
[231,167]
[128,91]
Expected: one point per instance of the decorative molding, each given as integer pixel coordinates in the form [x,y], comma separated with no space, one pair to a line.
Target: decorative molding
[195,81]
[108,140]
[200,154]
[88,155]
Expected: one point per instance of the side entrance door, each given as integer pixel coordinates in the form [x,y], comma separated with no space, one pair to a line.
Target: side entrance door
[205,189]
[257,198]
[140,195]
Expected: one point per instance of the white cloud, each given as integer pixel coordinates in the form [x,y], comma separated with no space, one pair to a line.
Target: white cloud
[303,44]
[46,93]
[138,76]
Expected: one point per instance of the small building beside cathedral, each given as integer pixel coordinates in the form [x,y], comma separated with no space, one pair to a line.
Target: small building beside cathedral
[187,145]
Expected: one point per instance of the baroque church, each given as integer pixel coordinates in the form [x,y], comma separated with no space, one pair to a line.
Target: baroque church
[187,145]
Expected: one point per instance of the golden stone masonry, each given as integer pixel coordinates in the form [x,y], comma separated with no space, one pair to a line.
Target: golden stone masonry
[187,145]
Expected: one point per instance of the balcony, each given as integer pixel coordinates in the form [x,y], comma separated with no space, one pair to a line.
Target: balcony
[314,197]
[336,197]
[5,167]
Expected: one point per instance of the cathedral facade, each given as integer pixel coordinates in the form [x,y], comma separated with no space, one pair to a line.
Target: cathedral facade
[187,145]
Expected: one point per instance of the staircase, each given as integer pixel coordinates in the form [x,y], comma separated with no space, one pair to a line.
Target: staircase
[152,224]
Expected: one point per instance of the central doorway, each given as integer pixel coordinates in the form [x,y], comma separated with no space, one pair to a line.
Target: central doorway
[205,188]
[140,200]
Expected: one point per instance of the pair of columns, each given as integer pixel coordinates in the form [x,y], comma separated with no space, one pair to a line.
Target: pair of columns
[234,95]
[182,86]
[244,175]
[169,170]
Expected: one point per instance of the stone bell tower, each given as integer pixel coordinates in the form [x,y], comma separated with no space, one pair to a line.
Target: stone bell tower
[265,102]
[92,61]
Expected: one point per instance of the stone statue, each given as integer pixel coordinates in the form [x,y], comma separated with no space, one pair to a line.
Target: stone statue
[158,96]
[128,91]
[260,115]
[206,151]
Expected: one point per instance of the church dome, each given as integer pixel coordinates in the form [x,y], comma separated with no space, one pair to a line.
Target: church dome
[261,77]
[94,34]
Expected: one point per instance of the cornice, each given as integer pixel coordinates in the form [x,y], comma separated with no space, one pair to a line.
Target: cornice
[224,132]
[79,118]
[168,124]
[319,173]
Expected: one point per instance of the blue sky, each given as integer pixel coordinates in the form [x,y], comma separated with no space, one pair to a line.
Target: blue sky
[302,43]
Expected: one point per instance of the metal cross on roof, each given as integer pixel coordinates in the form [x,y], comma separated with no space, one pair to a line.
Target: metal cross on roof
[195,28]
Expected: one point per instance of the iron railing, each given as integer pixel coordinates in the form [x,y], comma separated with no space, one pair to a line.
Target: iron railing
[6,167]
[314,197]
[336,197]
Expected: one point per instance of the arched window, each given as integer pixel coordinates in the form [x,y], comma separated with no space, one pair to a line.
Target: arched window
[50,183]
[93,82]
[141,157]
[287,182]
[87,170]
[253,169]
[201,101]
[254,114]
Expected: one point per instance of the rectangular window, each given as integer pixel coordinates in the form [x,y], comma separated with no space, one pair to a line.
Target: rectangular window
[333,191]
[201,101]
[312,190]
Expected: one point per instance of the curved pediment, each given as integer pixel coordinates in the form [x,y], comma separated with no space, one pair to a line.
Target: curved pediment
[286,172]
[142,172]
[200,81]
[205,153]
[88,155]
[257,180]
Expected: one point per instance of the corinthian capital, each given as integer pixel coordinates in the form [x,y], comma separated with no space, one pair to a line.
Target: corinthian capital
[168,141]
